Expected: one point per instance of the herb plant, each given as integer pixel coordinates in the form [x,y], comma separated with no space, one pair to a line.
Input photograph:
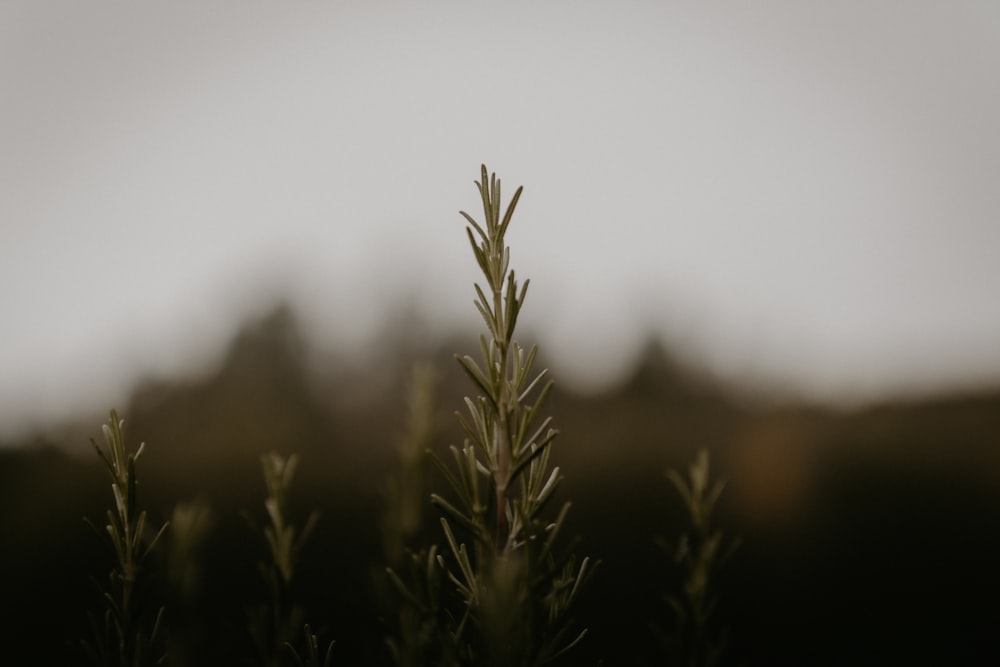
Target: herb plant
[411,597]
[700,552]
[183,564]
[130,631]
[515,588]
[501,591]
[275,626]
[405,493]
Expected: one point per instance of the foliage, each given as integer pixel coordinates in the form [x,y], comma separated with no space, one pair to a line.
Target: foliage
[405,493]
[190,625]
[503,589]
[312,656]
[411,602]
[274,626]
[516,589]
[699,553]
[128,636]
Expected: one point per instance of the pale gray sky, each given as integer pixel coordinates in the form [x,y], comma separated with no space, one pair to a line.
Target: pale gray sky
[804,195]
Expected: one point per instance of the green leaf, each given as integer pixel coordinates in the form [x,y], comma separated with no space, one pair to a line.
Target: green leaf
[481,433]
[456,513]
[534,383]
[485,304]
[440,465]
[683,489]
[402,589]
[511,307]
[494,205]
[539,449]
[536,438]
[503,266]
[475,224]
[552,531]
[547,490]
[469,365]
[474,435]
[524,366]
[510,210]
[472,480]
[486,313]
[479,253]
[462,556]
[532,410]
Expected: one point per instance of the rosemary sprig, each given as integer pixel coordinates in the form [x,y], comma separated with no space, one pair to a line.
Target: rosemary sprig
[513,586]
[127,636]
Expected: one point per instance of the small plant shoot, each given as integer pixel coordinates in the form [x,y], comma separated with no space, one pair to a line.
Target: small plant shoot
[516,588]
[129,633]
[699,553]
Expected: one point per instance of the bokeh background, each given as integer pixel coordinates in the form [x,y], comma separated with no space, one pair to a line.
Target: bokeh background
[769,230]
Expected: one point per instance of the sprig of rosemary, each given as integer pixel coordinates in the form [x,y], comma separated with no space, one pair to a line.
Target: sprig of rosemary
[127,637]
[516,589]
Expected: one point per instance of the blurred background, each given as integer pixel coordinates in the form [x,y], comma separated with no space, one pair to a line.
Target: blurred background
[767,230]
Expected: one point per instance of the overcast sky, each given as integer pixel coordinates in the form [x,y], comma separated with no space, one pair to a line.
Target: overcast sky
[799,193]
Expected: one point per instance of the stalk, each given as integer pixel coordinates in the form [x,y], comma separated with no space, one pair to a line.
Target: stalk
[128,638]
[515,590]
